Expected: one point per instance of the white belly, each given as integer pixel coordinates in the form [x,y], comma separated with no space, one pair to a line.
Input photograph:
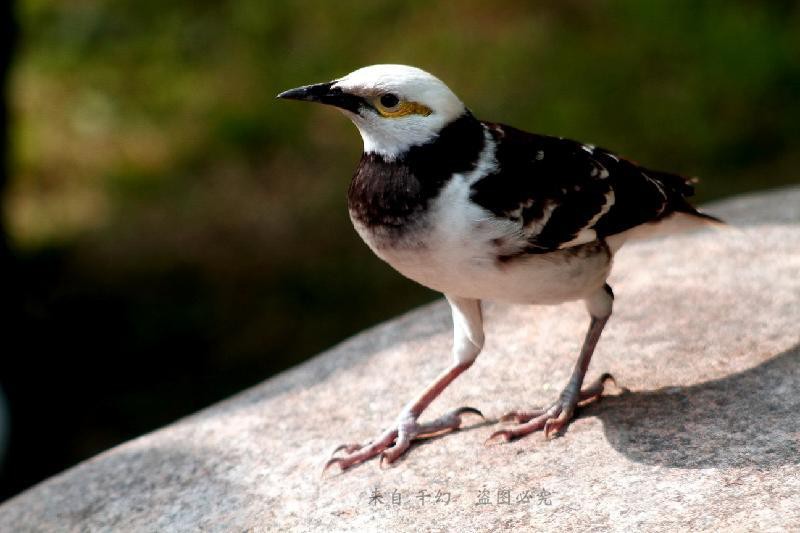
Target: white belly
[534,279]
[457,248]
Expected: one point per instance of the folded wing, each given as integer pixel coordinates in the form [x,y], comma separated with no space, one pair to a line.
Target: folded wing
[562,193]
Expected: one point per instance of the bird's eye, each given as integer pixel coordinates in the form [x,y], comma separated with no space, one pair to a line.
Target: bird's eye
[389,100]
[389,105]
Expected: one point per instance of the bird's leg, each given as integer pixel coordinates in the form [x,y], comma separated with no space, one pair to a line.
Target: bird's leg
[552,419]
[393,442]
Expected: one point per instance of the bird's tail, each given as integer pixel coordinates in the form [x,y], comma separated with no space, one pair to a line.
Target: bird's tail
[684,217]
[682,188]
[697,217]
[676,223]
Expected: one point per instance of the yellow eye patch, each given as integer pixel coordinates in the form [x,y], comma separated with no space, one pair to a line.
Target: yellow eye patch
[402,109]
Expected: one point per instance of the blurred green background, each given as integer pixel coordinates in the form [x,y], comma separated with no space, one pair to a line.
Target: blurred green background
[176,234]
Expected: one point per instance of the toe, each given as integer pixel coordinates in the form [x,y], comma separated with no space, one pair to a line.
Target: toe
[357,453]
[390,455]
[520,417]
[448,422]
[393,443]
[554,425]
[552,428]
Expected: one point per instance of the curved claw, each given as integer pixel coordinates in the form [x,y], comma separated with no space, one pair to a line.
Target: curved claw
[551,428]
[330,463]
[608,377]
[463,410]
[594,392]
[348,448]
[499,437]
[382,459]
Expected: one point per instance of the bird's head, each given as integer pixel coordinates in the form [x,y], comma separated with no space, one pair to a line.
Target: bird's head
[394,107]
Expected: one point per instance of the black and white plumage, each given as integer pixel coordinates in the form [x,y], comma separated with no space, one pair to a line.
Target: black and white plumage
[479,210]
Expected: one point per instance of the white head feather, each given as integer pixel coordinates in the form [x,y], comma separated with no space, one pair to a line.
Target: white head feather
[391,136]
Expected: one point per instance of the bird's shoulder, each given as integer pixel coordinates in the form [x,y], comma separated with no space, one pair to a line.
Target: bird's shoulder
[564,193]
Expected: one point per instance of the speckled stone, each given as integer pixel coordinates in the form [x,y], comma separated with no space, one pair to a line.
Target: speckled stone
[705,335]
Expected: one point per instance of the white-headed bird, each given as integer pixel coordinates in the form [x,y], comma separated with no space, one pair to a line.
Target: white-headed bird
[478,210]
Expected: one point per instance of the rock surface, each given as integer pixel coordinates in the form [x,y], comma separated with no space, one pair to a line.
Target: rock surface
[705,335]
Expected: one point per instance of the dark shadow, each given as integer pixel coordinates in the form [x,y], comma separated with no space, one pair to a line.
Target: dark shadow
[90,362]
[751,418]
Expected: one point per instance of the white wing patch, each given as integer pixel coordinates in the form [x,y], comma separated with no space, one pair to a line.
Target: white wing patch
[587,234]
[583,236]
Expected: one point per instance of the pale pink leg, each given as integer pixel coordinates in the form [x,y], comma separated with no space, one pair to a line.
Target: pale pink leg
[392,443]
[555,417]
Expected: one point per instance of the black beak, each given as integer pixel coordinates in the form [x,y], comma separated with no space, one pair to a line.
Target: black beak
[326,93]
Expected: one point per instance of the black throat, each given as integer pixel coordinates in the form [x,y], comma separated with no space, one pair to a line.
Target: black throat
[393,193]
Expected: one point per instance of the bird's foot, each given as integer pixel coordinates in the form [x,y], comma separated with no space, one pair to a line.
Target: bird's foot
[393,442]
[552,419]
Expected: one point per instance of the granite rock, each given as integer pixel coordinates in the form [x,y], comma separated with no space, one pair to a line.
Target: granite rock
[705,338]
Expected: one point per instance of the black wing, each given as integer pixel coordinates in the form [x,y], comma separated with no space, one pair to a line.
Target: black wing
[564,193]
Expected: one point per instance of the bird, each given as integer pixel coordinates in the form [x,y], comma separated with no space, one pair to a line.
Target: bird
[479,211]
